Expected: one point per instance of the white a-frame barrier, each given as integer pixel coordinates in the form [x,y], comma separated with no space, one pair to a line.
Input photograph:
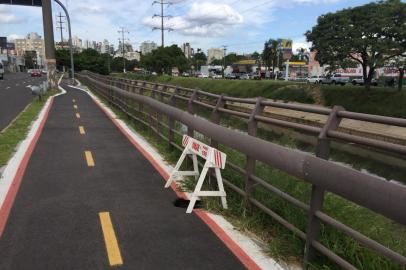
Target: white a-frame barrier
[214,159]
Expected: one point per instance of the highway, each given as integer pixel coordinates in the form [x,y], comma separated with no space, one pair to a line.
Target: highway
[90,200]
[15,95]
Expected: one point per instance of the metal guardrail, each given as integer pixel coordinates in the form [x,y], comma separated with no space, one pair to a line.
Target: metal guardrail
[383,197]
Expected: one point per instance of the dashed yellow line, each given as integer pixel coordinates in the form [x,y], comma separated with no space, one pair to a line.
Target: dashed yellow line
[75,107]
[78,115]
[89,159]
[82,130]
[113,250]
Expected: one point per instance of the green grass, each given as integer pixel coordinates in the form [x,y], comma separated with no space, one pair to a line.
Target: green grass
[378,100]
[282,243]
[18,130]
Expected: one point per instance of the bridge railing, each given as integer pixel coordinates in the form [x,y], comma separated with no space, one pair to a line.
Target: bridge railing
[148,103]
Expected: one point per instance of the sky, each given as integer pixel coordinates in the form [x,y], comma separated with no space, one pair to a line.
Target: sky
[242,25]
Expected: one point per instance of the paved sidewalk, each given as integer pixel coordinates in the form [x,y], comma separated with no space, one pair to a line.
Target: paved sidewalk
[82,192]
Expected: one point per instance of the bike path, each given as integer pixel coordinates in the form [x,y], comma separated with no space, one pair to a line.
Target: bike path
[55,222]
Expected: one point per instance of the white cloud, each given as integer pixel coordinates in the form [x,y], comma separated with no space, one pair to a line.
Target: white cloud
[14,36]
[9,18]
[202,19]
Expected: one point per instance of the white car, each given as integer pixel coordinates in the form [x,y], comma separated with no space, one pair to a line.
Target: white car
[314,79]
[203,75]
[245,77]
[1,71]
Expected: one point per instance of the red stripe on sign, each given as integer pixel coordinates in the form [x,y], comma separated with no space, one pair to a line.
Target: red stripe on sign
[221,162]
[187,140]
[215,157]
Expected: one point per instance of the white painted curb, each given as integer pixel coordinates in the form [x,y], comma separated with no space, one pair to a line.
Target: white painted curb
[11,168]
[252,249]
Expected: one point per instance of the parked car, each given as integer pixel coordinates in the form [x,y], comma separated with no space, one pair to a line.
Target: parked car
[36,73]
[230,76]
[1,71]
[335,79]
[216,76]
[185,74]
[245,77]
[315,79]
[44,71]
[201,75]
[360,81]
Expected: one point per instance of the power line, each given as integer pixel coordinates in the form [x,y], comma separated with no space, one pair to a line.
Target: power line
[162,16]
[123,31]
[60,24]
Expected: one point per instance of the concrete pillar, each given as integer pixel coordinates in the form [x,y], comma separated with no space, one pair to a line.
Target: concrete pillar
[50,60]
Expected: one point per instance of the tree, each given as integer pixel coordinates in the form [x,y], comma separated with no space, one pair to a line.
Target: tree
[199,59]
[270,53]
[369,35]
[163,60]
[30,59]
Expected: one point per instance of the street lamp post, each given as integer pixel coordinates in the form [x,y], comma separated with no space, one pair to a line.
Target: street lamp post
[70,39]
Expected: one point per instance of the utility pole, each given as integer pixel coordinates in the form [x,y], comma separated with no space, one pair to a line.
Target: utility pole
[123,31]
[60,23]
[224,59]
[162,16]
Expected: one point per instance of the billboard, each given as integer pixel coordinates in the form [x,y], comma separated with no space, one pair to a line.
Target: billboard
[36,3]
[285,47]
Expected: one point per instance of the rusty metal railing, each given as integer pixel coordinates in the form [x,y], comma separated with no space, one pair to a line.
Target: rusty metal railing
[383,197]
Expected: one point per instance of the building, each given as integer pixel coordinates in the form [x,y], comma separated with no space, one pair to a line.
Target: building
[214,54]
[77,43]
[33,42]
[133,56]
[105,47]
[147,47]
[187,50]
[3,43]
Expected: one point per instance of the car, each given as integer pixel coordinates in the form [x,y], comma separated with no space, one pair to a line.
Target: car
[230,76]
[315,79]
[335,79]
[202,75]
[36,73]
[245,77]
[44,71]
[360,81]
[1,71]
[216,76]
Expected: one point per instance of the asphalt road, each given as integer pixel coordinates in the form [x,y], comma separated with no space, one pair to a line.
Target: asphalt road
[55,222]
[15,95]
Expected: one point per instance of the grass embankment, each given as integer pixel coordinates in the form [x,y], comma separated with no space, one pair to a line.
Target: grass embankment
[378,100]
[282,243]
[18,130]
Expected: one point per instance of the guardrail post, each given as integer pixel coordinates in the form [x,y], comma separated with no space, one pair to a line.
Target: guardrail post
[251,162]
[157,124]
[171,137]
[191,110]
[215,116]
[140,105]
[317,195]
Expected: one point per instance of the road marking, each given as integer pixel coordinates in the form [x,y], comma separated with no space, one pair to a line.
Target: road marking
[113,251]
[89,159]
[82,130]
[75,107]
[77,115]
[8,87]
[73,100]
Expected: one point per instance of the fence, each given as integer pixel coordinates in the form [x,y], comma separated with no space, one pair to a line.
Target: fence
[148,103]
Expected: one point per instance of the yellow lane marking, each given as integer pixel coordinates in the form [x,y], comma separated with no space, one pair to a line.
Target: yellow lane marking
[75,106]
[89,158]
[73,100]
[77,115]
[82,130]
[113,251]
